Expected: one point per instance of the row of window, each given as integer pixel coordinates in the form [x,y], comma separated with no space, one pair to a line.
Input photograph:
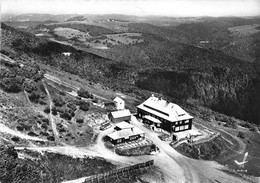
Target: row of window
[180,128]
[181,122]
[131,138]
[163,120]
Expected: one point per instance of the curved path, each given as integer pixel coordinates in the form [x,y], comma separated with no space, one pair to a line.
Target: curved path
[5,129]
[184,169]
[176,167]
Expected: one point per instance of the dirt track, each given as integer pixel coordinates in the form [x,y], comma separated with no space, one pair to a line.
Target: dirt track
[185,169]
[176,167]
[5,129]
[53,124]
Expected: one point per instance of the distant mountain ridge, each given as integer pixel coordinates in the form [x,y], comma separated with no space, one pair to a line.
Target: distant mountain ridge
[37,17]
[184,72]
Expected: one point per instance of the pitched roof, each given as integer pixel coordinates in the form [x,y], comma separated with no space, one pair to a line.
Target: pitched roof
[124,125]
[125,133]
[150,118]
[118,99]
[166,110]
[121,113]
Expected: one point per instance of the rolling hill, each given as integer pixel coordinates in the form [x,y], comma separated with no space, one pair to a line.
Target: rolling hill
[160,64]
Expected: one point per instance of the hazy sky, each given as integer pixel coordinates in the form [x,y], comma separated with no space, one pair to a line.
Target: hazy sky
[135,7]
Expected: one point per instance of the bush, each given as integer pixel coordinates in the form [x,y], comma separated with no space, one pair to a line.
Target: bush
[62,93]
[15,139]
[13,85]
[248,125]
[58,101]
[241,135]
[51,138]
[47,110]
[231,122]
[80,120]
[67,114]
[54,110]
[84,93]
[253,129]
[84,106]
[30,86]
[32,133]
[46,120]
[19,128]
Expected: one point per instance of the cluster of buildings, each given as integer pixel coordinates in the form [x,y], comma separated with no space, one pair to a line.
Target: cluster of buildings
[159,114]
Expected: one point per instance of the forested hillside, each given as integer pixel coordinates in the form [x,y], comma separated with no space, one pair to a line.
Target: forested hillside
[174,69]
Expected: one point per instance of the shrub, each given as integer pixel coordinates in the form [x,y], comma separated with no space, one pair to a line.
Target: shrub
[253,129]
[248,125]
[44,126]
[19,128]
[62,93]
[47,110]
[30,86]
[32,133]
[241,135]
[58,101]
[51,138]
[54,110]
[13,85]
[231,122]
[80,120]
[84,93]
[15,139]
[84,106]
[67,114]
[46,120]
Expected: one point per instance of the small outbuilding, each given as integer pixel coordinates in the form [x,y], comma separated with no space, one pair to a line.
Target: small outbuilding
[123,125]
[119,116]
[126,135]
[119,103]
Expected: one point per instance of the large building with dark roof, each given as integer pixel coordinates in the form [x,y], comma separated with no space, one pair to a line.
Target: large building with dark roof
[164,115]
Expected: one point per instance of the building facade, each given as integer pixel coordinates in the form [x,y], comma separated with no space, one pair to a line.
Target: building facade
[165,115]
[119,103]
[119,116]
[125,132]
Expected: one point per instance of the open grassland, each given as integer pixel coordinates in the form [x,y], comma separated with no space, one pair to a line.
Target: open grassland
[244,30]
[70,33]
[104,41]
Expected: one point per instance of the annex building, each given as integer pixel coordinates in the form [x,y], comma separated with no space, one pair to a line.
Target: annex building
[125,132]
[160,114]
[119,116]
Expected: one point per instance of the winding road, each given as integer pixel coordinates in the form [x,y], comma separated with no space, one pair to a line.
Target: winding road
[182,169]
[176,167]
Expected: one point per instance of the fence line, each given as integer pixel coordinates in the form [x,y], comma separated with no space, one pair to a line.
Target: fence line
[115,174]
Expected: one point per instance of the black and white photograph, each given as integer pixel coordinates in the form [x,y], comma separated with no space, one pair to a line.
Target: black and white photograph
[130,91]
